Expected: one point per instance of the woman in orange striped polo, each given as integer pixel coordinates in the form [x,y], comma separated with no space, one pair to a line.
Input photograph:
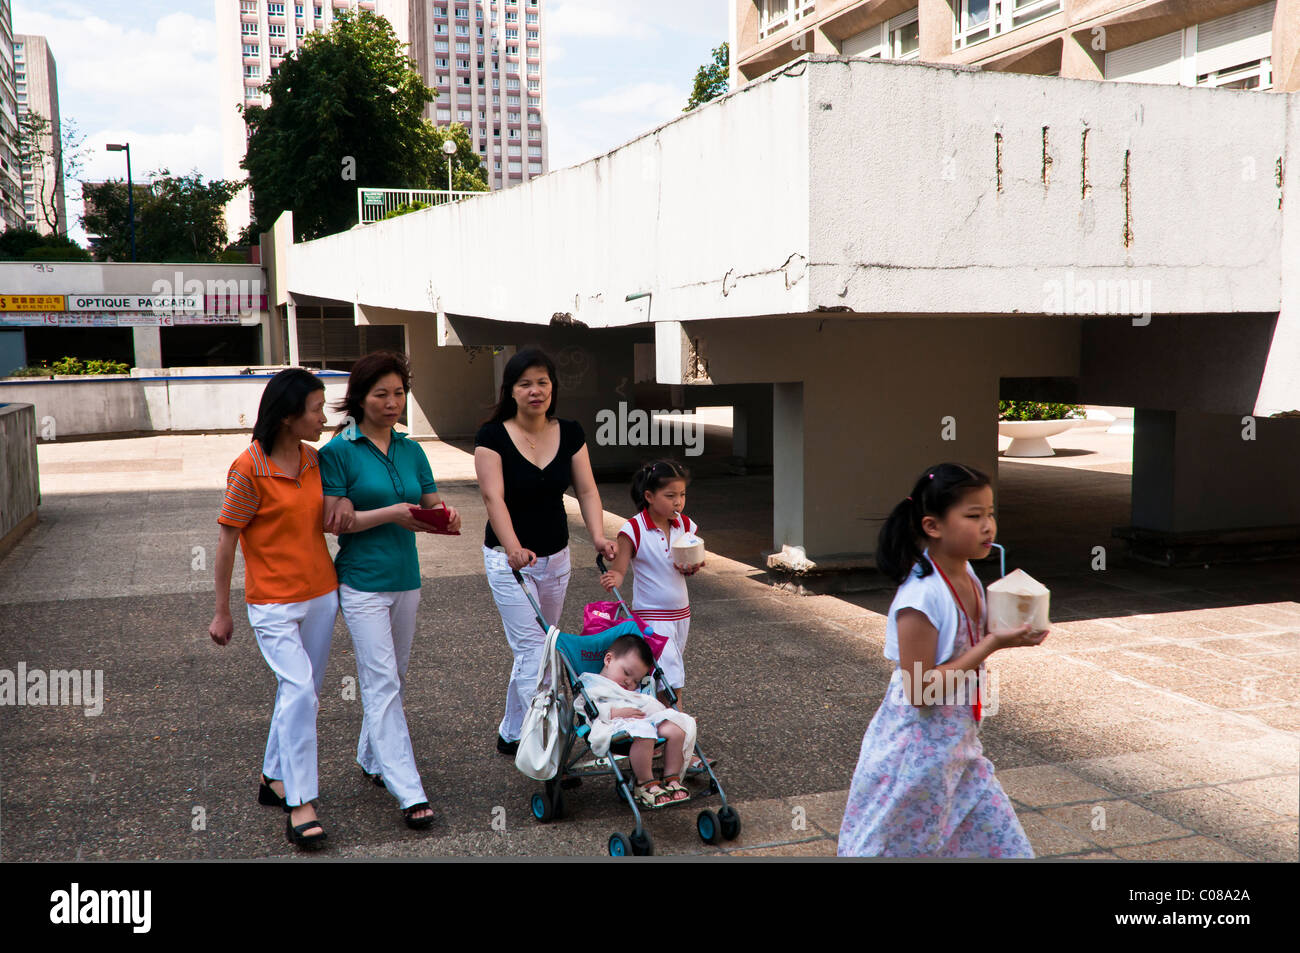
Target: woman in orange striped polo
[275,509]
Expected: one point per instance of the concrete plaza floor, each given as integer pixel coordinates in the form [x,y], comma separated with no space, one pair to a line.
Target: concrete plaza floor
[1158,721]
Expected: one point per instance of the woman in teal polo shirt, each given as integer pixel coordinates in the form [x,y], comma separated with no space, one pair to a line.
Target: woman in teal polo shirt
[382,474]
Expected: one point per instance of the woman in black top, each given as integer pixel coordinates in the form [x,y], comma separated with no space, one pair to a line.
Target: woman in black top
[525,459]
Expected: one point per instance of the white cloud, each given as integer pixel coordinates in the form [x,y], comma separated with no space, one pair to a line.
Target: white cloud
[593,18]
[595,125]
[156,79]
[658,100]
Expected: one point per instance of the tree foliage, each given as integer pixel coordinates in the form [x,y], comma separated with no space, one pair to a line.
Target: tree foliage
[347,111]
[711,80]
[178,218]
[27,244]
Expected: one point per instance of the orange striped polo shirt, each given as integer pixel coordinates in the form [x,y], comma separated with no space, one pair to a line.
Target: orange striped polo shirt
[280,519]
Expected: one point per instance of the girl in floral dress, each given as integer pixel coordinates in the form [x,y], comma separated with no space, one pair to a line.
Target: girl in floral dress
[923,787]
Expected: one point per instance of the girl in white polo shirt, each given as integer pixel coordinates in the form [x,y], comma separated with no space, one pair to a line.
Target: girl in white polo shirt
[645,542]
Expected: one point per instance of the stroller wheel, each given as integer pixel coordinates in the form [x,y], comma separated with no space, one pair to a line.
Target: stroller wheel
[730,822]
[642,844]
[619,845]
[543,807]
[708,827]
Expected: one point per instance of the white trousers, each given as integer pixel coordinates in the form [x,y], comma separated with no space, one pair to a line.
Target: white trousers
[382,625]
[295,641]
[547,580]
[671,658]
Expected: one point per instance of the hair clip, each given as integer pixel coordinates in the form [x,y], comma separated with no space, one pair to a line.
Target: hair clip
[931,476]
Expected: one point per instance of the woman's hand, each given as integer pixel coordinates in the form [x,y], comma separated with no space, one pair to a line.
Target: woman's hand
[400,513]
[606,548]
[1018,638]
[611,579]
[519,558]
[689,570]
[453,519]
[222,628]
[340,516]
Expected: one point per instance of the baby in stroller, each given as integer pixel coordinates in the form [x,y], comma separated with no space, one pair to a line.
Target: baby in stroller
[623,708]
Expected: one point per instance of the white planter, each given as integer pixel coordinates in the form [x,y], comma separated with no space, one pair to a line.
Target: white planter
[1029,437]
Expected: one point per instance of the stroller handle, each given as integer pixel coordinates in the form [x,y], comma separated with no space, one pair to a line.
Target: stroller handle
[600,562]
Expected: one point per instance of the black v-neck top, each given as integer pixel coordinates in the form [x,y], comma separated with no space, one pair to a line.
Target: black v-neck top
[534,497]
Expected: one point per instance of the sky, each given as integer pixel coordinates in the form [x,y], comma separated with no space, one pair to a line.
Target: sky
[145,72]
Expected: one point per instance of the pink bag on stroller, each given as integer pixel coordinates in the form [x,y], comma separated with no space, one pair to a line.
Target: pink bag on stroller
[599,616]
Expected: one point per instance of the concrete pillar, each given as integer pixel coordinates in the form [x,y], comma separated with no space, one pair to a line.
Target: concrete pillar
[148,346]
[936,22]
[292,332]
[1286,48]
[453,389]
[1079,60]
[787,465]
[1213,473]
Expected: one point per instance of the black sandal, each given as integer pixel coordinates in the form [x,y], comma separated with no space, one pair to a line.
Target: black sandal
[266,795]
[417,823]
[376,779]
[297,835]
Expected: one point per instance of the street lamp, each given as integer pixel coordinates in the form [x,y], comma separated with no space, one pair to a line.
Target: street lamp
[449,149]
[130,192]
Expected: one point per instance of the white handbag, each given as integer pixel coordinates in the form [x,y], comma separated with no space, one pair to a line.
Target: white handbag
[541,738]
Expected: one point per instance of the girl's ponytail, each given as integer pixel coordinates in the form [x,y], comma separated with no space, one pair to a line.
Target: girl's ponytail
[897,546]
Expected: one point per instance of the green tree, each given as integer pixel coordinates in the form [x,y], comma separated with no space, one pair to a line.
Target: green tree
[347,111]
[26,244]
[178,218]
[711,80]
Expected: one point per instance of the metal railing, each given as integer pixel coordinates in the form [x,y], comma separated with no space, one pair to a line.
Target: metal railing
[374,204]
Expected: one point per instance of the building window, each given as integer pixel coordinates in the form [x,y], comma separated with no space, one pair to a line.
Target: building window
[252,72]
[898,38]
[534,85]
[444,115]
[535,168]
[1230,52]
[775,15]
[531,19]
[247,6]
[535,151]
[441,61]
[251,49]
[275,29]
[275,9]
[297,10]
[299,31]
[248,29]
[978,20]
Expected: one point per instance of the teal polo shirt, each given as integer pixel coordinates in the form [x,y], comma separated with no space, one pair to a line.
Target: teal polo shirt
[383,558]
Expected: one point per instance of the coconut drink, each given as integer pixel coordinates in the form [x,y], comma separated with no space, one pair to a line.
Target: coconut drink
[1015,599]
[688,551]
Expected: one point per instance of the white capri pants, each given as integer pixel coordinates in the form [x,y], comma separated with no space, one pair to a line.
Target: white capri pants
[382,625]
[295,641]
[671,658]
[547,580]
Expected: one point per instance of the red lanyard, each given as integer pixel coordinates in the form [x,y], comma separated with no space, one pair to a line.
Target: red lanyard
[976,707]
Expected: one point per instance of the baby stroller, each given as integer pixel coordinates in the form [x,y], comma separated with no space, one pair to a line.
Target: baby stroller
[579,654]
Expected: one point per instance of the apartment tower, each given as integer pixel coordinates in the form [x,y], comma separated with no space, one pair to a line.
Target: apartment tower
[11,182]
[483,58]
[37,85]
[1240,44]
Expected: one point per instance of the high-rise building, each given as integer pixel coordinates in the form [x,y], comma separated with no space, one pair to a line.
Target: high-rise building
[482,57]
[11,183]
[37,85]
[1240,44]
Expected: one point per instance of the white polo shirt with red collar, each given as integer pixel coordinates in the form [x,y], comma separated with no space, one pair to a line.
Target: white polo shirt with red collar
[658,589]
